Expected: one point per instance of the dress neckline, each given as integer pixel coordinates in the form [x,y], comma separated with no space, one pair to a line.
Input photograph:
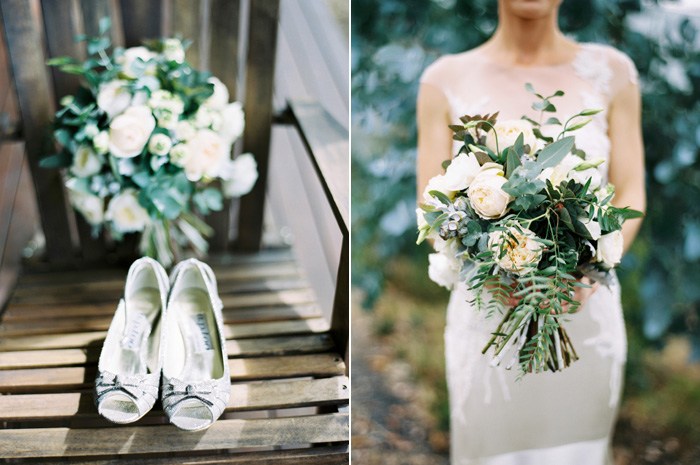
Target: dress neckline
[580,48]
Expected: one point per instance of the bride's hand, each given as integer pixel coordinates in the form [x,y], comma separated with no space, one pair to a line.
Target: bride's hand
[581,295]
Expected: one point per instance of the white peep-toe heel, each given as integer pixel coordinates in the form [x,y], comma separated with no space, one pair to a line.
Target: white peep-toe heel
[129,367]
[196,381]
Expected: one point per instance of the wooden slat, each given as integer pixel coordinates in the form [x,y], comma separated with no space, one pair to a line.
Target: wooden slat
[260,70]
[223,63]
[288,345]
[66,378]
[326,455]
[114,290]
[247,396]
[328,146]
[114,277]
[95,338]
[224,434]
[141,20]
[50,308]
[239,265]
[186,24]
[340,318]
[94,10]
[101,323]
[62,23]
[26,56]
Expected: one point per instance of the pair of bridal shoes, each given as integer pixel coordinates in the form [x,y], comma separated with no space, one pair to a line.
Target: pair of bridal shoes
[166,332]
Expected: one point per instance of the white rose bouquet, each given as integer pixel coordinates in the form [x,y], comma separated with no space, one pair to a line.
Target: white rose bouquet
[521,217]
[146,145]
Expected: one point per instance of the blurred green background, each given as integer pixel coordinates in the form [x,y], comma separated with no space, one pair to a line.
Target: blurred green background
[392,42]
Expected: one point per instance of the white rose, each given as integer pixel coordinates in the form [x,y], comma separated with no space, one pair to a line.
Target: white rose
[233,122]
[85,162]
[90,206]
[91,130]
[179,153]
[101,142]
[592,226]
[160,144]
[206,157]
[113,97]
[437,183]
[130,57]
[167,108]
[610,246]
[184,130]
[173,50]
[567,169]
[239,175]
[487,198]
[203,118]
[508,131]
[443,269]
[130,131]
[521,252]
[219,99]
[582,177]
[461,172]
[126,213]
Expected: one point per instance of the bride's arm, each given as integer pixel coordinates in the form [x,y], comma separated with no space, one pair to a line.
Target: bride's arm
[434,136]
[627,156]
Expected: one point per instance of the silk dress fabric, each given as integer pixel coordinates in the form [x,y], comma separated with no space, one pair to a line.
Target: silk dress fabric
[547,418]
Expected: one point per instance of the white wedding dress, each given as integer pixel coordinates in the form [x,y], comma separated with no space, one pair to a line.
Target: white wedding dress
[563,418]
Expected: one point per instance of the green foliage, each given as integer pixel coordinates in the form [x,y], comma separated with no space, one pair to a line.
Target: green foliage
[394,40]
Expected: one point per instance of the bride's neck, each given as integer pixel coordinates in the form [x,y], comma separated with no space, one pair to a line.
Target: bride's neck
[521,41]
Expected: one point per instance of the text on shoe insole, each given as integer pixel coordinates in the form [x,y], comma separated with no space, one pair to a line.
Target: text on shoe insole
[137,324]
[203,343]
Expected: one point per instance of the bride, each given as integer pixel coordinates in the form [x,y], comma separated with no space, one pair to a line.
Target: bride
[563,418]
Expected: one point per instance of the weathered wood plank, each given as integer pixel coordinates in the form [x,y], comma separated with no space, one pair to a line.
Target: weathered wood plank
[223,63]
[94,10]
[224,434]
[141,20]
[58,325]
[325,455]
[62,23]
[288,345]
[244,396]
[95,338]
[50,308]
[340,318]
[260,70]
[67,378]
[265,261]
[23,41]
[113,291]
[186,23]
[229,281]
[328,145]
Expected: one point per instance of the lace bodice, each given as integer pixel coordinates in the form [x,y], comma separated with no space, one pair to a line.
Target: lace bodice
[474,84]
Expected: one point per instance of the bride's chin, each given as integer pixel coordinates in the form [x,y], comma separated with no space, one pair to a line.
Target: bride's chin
[530,9]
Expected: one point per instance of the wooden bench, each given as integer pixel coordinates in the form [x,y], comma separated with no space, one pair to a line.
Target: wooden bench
[285,309]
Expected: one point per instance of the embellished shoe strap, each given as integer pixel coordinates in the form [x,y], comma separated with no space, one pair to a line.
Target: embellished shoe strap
[133,386]
[176,392]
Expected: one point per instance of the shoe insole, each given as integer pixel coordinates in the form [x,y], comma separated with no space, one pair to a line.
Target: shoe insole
[134,354]
[201,350]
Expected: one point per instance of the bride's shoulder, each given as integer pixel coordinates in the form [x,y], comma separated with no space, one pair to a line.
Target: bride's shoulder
[606,68]
[448,67]
[619,65]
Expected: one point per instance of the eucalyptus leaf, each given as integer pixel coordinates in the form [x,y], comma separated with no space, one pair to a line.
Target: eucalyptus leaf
[554,153]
